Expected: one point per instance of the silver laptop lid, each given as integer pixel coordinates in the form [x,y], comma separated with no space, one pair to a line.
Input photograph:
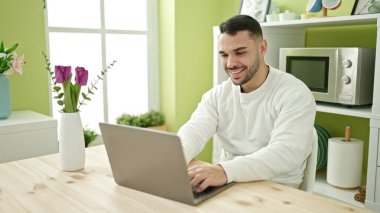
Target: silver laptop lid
[148,161]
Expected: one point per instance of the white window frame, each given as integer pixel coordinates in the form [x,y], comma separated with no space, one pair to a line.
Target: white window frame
[152,44]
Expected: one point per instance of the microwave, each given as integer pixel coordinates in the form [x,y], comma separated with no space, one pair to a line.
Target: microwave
[334,75]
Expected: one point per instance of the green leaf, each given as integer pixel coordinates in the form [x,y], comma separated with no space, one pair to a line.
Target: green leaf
[69,105]
[1,47]
[60,95]
[60,102]
[89,135]
[56,88]
[76,93]
[90,91]
[76,88]
[151,118]
[11,49]
[85,97]
[4,63]
[93,85]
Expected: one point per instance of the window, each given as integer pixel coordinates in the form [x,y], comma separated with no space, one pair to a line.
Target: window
[93,33]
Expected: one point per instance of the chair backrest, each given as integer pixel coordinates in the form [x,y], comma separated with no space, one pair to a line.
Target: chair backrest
[311,165]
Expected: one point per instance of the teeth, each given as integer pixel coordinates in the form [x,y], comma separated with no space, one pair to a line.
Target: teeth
[235,71]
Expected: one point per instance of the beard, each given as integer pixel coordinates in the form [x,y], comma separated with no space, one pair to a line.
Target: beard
[250,72]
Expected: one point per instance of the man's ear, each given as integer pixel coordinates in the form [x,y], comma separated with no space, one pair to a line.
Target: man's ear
[263,46]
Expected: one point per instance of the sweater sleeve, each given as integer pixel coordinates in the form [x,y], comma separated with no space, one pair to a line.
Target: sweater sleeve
[289,142]
[202,125]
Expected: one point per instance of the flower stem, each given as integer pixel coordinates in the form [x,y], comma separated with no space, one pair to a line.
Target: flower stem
[85,96]
[56,88]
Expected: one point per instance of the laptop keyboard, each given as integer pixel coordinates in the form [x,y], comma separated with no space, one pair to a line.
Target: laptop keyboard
[204,192]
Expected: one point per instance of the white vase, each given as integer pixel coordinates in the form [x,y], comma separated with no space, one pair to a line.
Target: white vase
[71,142]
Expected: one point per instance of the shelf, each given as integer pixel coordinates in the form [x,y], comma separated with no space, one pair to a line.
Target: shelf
[356,111]
[328,21]
[27,134]
[321,187]
[26,120]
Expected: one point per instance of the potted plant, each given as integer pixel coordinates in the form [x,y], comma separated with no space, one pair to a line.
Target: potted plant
[152,119]
[89,136]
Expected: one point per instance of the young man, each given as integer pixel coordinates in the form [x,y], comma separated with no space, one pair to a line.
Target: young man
[262,117]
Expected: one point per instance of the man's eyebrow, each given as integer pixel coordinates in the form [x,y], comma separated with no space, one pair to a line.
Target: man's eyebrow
[235,50]
[240,48]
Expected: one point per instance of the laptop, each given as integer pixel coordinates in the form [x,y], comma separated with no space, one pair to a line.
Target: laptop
[151,161]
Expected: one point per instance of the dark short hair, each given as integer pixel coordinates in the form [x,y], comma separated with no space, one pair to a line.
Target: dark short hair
[241,23]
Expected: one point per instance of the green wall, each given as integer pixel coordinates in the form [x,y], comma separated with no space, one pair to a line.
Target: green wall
[22,22]
[186,53]
[186,41]
[167,60]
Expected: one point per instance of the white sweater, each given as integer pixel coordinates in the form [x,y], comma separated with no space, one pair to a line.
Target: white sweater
[264,134]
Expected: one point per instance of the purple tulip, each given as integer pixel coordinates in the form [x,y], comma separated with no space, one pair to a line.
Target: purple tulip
[81,76]
[62,73]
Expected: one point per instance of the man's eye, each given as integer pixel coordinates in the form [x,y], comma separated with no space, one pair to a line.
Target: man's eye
[223,55]
[239,53]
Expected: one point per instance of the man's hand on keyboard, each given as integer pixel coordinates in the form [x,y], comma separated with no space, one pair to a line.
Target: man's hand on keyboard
[205,175]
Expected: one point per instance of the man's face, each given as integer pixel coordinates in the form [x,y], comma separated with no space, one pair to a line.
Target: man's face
[240,56]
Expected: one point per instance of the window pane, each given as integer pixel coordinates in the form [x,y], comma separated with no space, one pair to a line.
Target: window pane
[74,13]
[126,14]
[128,83]
[80,49]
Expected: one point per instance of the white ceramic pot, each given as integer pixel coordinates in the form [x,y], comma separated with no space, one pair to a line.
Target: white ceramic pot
[71,142]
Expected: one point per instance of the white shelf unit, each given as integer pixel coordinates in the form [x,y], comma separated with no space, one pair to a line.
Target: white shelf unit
[360,111]
[27,134]
[321,187]
[292,34]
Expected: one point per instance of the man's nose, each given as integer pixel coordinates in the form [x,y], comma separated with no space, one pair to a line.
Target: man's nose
[231,62]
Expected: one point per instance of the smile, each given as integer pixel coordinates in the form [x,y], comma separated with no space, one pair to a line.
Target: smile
[236,73]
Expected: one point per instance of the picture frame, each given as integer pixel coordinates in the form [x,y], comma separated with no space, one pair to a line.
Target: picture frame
[366,7]
[257,9]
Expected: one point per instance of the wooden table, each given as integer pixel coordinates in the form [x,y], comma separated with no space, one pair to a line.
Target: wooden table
[39,185]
